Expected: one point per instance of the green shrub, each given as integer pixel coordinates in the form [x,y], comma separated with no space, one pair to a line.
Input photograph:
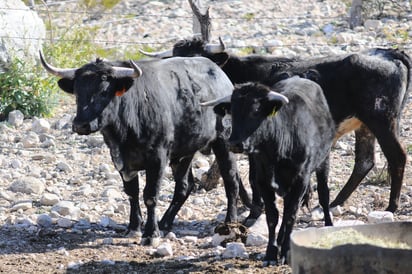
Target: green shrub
[21,88]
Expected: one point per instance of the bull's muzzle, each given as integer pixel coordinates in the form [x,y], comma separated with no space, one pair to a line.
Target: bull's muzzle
[85,128]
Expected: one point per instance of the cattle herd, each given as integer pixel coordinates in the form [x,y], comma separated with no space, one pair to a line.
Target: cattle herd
[284,114]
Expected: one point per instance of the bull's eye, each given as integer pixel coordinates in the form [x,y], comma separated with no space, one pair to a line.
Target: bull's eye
[104,77]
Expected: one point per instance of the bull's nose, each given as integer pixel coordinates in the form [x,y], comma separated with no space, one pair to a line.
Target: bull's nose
[81,128]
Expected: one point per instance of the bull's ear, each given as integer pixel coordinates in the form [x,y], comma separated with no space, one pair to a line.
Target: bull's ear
[220,58]
[123,85]
[66,85]
[222,109]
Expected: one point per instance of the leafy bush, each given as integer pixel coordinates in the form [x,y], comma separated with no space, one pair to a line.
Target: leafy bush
[22,89]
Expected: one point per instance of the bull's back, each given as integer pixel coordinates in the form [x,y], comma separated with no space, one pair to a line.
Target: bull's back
[182,84]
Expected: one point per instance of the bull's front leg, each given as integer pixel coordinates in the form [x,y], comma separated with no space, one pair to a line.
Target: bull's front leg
[228,169]
[131,188]
[154,174]
[291,205]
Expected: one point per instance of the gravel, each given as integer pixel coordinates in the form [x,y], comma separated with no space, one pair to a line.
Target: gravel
[62,207]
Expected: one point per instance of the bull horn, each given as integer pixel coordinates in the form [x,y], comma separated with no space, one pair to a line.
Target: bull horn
[215,48]
[121,72]
[217,101]
[159,54]
[62,73]
[275,96]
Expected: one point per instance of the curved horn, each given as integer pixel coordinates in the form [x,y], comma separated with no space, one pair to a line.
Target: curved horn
[275,96]
[63,73]
[159,54]
[121,72]
[217,101]
[215,48]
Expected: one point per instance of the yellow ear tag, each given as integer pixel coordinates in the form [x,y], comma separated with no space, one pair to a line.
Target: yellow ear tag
[273,113]
[120,92]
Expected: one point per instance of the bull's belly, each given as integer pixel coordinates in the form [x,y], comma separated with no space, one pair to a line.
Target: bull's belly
[347,126]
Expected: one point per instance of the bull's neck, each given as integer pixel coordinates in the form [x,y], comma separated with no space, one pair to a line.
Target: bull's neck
[242,70]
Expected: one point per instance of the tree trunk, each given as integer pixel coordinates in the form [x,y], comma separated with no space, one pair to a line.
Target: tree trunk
[201,20]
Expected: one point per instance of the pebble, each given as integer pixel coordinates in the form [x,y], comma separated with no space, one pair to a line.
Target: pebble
[44,220]
[164,249]
[15,118]
[49,199]
[28,185]
[376,217]
[235,250]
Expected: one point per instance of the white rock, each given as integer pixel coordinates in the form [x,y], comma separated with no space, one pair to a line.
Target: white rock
[372,24]
[24,205]
[28,185]
[15,118]
[66,208]
[44,220]
[165,249]
[201,162]
[30,140]
[40,126]
[64,223]
[185,213]
[171,236]
[336,211]
[112,193]
[16,163]
[65,167]
[376,217]
[260,226]
[217,239]
[190,239]
[49,199]
[62,251]
[235,250]
[107,222]
[107,241]
[254,239]
[95,141]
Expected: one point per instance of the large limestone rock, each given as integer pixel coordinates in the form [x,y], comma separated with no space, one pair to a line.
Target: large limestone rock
[21,32]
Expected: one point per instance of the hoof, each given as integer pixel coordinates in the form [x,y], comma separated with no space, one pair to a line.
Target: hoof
[249,222]
[154,242]
[269,263]
[133,234]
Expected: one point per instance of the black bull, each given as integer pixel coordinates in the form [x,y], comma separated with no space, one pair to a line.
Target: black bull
[149,112]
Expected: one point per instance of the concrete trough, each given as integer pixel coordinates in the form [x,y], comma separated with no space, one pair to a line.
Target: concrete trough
[369,248]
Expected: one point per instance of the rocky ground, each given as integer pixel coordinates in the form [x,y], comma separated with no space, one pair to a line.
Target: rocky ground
[62,209]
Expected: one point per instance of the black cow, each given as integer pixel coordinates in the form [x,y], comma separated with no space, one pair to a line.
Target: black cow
[149,112]
[366,92]
[286,148]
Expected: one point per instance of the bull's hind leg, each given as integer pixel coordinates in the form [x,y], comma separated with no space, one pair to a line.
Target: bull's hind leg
[184,185]
[364,162]
[323,189]
[396,157]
